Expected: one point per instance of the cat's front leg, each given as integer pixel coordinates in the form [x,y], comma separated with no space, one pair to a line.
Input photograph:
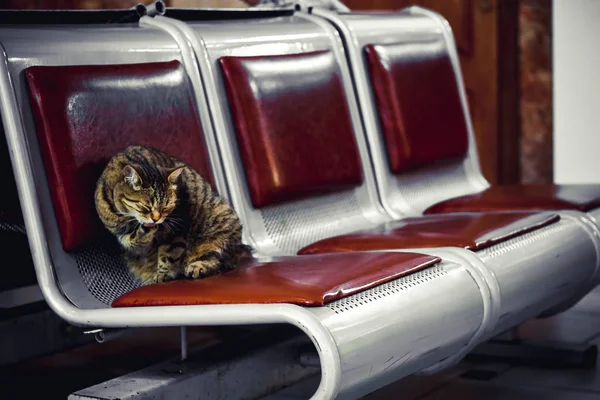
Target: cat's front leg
[169,260]
[142,266]
[205,258]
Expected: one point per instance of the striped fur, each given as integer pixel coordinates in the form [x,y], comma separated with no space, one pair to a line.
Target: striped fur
[167,217]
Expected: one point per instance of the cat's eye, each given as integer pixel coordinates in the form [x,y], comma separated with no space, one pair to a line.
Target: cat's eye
[142,208]
[135,204]
[128,202]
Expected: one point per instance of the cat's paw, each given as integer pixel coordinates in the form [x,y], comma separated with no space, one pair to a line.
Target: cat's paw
[143,237]
[148,230]
[201,269]
[164,277]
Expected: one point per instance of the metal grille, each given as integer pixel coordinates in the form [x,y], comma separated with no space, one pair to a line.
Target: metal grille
[424,188]
[387,289]
[104,272]
[557,230]
[295,225]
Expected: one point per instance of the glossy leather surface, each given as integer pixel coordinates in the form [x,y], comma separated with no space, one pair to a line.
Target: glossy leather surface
[418,103]
[306,281]
[86,114]
[292,124]
[524,197]
[473,231]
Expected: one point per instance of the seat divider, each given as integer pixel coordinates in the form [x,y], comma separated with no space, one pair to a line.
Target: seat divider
[173,28]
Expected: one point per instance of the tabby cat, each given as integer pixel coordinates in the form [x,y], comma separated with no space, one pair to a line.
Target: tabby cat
[167,217]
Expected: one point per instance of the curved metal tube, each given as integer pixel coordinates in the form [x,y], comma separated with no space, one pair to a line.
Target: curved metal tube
[490,294]
[588,223]
[140,9]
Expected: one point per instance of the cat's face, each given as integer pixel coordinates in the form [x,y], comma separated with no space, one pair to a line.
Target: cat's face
[147,195]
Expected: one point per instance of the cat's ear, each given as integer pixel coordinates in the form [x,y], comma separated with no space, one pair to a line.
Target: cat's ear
[132,177]
[174,174]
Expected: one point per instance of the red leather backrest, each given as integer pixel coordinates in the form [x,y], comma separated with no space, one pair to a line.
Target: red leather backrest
[418,103]
[86,114]
[293,125]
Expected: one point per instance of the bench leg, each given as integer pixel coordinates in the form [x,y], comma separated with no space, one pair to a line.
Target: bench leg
[184,343]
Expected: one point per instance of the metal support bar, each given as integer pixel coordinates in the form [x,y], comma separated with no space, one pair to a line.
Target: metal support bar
[184,343]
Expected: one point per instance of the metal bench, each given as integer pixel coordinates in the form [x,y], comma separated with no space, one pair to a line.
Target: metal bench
[251,85]
[54,107]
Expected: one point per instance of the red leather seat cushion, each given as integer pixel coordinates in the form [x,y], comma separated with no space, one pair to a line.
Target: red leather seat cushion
[306,281]
[473,231]
[418,102]
[86,114]
[524,197]
[293,125]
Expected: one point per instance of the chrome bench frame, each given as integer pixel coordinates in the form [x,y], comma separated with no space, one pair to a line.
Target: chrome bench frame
[353,361]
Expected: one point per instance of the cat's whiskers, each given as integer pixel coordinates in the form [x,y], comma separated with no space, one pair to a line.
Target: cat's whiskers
[170,225]
[168,228]
[173,218]
[176,223]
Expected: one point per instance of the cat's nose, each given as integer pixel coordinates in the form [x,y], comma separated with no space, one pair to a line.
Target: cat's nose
[155,215]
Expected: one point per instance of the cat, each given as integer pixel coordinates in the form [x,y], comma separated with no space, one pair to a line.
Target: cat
[167,217]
